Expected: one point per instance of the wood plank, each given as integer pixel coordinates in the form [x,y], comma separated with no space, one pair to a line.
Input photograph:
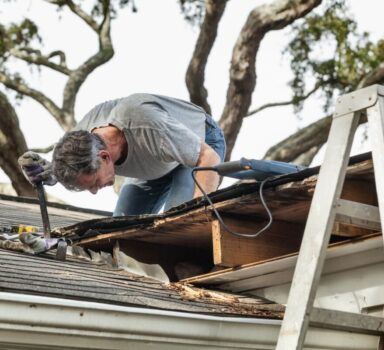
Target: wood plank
[348,230]
[229,250]
[192,229]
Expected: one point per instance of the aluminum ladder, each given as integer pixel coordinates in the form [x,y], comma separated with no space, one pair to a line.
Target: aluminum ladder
[326,204]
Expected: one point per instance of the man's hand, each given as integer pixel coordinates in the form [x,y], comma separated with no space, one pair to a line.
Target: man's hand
[208,180]
[36,169]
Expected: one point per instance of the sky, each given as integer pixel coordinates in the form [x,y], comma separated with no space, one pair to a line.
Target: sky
[152,51]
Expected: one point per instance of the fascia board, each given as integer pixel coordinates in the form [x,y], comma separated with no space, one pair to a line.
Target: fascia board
[27,321]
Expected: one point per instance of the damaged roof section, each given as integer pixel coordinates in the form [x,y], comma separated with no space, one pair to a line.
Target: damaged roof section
[192,234]
[189,240]
[79,279]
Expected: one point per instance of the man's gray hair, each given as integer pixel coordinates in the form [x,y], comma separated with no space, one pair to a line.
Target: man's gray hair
[76,154]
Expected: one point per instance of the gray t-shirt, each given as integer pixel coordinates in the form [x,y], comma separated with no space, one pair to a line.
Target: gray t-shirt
[161,132]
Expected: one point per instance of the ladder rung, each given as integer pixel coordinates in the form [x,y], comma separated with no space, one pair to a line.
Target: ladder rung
[346,321]
[358,214]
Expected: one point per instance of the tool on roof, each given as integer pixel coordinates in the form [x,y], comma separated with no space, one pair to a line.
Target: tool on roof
[33,164]
[43,209]
[61,250]
[260,170]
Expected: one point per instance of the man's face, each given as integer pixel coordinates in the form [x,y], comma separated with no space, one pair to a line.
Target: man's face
[104,176]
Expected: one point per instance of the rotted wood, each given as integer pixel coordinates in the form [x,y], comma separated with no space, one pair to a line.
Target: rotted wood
[191,229]
[279,239]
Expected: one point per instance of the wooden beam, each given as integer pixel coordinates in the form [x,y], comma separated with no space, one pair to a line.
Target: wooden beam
[229,250]
[356,219]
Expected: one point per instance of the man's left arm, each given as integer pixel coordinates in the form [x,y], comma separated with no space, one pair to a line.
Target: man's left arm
[208,180]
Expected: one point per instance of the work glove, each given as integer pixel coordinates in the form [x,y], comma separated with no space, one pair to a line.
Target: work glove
[36,169]
[37,243]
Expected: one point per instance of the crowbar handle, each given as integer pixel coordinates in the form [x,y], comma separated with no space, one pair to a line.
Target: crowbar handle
[43,209]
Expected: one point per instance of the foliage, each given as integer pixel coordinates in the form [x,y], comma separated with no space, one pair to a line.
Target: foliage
[99,7]
[328,49]
[18,36]
[193,11]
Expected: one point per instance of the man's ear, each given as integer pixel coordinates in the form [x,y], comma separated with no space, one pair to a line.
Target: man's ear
[104,154]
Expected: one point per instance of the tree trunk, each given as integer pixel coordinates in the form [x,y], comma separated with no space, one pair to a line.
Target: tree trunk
[194,79]
[261,20]
[12,145]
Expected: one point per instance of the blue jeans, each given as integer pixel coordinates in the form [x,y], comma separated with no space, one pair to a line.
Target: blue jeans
[151,196]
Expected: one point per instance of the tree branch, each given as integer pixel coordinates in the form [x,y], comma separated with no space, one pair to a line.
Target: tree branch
[303,146]
[78,11]
[40,60]
[61,54]
[376,76]
[194,79]
[285,103]
[104,54]
[46,102]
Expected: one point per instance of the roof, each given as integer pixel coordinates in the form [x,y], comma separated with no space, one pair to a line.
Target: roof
[190,225]
[188,242]
[192,233]
[78,279]
[83,279]
[26,211]
[104,306]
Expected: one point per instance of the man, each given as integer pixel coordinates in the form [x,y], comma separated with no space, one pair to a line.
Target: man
[153,140]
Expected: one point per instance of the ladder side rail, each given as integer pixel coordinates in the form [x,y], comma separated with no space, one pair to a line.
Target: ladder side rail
[375,115]
[317,232]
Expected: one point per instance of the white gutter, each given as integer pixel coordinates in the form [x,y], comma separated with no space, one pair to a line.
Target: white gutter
[34,322]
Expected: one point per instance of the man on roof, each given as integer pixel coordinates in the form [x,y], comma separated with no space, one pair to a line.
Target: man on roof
[154,141]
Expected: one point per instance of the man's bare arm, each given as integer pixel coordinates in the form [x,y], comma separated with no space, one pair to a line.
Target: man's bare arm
[208,180]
